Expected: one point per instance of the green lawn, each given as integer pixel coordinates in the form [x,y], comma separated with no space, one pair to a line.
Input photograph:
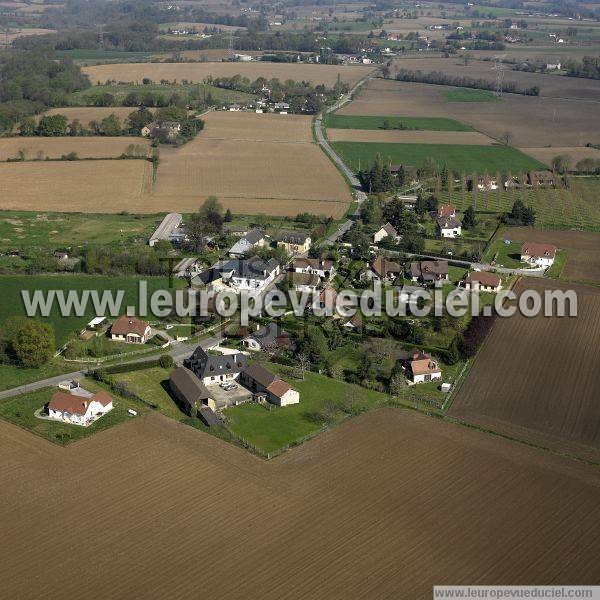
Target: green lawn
[457,157]
[505,255]
[469,95]
[560,261]
[12,304]
[373,122]
[20,410]
[273,430]
[12,376]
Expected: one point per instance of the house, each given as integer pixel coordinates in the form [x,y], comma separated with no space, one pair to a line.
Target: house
[179,236]
[166,228]
[513,183]
[405,294]
[429,271]
[408,202]
[541,179]
[387,230]
[448,227]
[482,282]
[214,368]
[294,242]
[130,330]
[446,211]
[268,338]
[187,267]
[255,238]
[261,381]
[281,106]
[314,266]
[540,255]
[381,269]
[78,409]
[420,367]
[305,282]
[327,299]
[483,183]
[190,393]
[234,108]
[354,323]
[409,174]
[167,129]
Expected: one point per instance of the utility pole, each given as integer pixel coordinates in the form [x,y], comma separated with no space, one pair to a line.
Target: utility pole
[499,68]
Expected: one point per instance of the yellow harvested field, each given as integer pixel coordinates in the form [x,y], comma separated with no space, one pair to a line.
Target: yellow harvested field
[78,186]
[384,506]
[55,147]
[576,154]
[196,72]
[7,38]
[408,136]
[85,114]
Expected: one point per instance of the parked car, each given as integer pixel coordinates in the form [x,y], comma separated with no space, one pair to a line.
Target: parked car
[230,387]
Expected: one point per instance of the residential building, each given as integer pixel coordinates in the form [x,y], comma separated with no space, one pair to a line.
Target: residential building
[214,368]
[262,382]
[446,211]
[268,338]
[315,266]
[190,393]
[483,282]
[168,129]
[354,323]
[131,330]
[420,367]
[281,106]
[255,238]
[166,228]
[388,230]
[429,271]
[541,179]
[540,255]
[408,202]
[294,242]
[483,183]
[78,409]
[305,282]
[448,227]
[408,294]
[381,269]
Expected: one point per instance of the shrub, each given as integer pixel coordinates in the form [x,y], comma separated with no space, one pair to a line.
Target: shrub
[166,361]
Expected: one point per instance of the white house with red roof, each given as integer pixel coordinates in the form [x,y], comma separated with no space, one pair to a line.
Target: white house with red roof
[77,409]
[539,255]
[130,330]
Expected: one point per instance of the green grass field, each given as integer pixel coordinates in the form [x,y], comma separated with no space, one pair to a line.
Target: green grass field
[469,95]
[461,158]
[198,91]
[101,55]
[24,230]
[20,411]
[12,303]
[336,121]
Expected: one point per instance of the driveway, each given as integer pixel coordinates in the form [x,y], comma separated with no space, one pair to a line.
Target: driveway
[225,399]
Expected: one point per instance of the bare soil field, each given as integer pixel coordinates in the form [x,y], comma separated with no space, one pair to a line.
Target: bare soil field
[196,72]
[576,154]
[408,136]
[77,186]
[184,511]
[85,147]
[551,85]
[533,122]
[583,250]
[536,378]
[85,114]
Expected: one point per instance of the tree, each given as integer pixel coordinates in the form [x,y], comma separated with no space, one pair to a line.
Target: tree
[228,216]
[506,138]
[111,125]
[211,212]
[397,384]
[52,125]
[138,119]
[34,343]
[561,163]
[27,127]
[469,220]
[303,362]
[315,345]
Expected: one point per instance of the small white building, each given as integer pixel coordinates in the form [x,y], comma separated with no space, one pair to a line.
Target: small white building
[323,268]
[262,382]
[421,368]
[79,410]
[483,282]
[388,230]
[449,227]
[539,255]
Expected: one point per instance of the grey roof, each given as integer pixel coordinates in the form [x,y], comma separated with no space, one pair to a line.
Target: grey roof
[267,334]
[209,417]
[210,365]
[250,268]
[261,375]
[293,237]
[390,229]
[248,241]
[448,223]
[166,227]
[187,386]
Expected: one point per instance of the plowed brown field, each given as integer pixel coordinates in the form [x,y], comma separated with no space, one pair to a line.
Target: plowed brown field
[537,378]
[382,507]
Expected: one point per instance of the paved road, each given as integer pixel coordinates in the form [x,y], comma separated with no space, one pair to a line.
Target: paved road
[179,351]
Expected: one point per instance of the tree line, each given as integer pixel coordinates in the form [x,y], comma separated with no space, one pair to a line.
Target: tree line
[588,68]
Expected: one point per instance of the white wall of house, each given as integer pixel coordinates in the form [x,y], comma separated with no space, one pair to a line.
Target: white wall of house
[94,408]
[290,397]
[426,377]
[450,233]
[540,261]
[251,344]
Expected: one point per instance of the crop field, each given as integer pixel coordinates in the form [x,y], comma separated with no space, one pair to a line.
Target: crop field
[337,121]
[196,72]
[461,158]
[471,138]
[470,95]
[273,168]
[573,208]
[77,186]
[532,122]
[54,147]
[546,155]
[169,492]
[8,37]
[536,378]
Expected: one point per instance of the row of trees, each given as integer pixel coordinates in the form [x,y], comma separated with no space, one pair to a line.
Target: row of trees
[26,342]
[589,67]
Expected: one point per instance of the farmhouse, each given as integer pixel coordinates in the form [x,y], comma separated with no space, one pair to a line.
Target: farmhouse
[166,228]
[294,242]
[190,393]
[448,227]
[247,276]
[130,330]
[255,238]
[540,255]
[541,179]
[429,271]
[162,129]
[305,282]
[262,382]
[77,409]
[381,269]
[317,266]
[387,230]
[446,211]
[483,282]
[420,367]
[213,368]
[268,338]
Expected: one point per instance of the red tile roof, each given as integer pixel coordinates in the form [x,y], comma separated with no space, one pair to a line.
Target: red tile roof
[125,325]
[484,278]
[537,249]
[76,405]
[446,210]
